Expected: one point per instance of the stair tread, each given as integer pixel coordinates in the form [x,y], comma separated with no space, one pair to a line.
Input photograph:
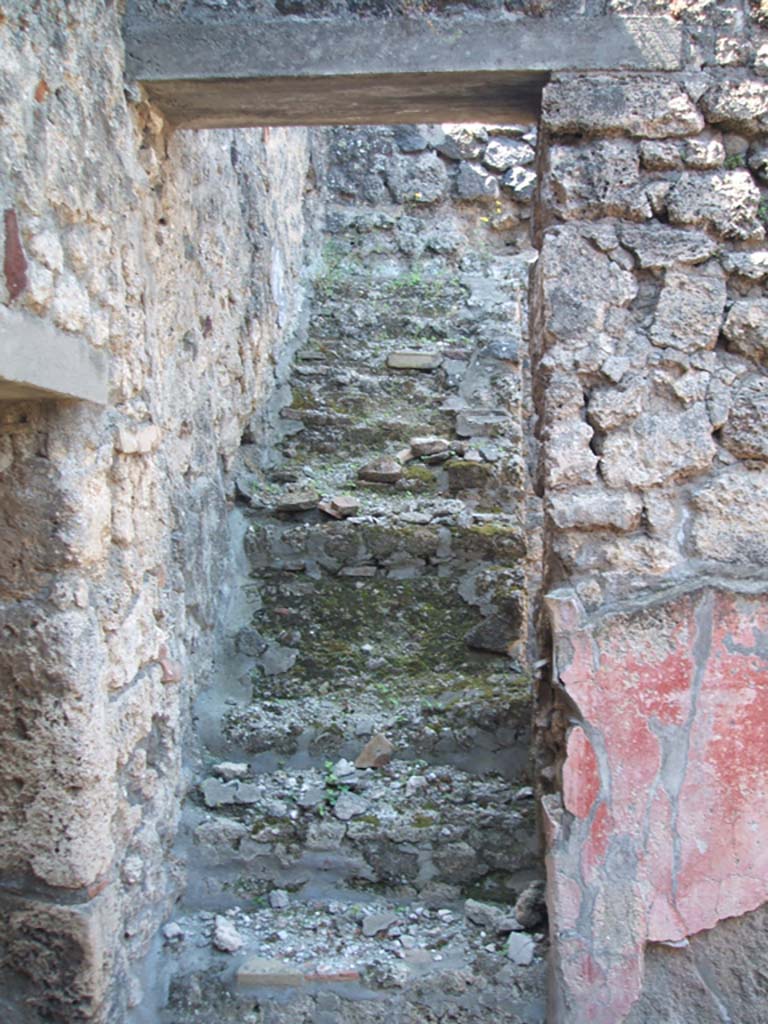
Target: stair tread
[368,949]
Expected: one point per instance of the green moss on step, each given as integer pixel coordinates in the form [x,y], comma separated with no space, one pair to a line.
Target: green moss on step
[424,821]
[420,475]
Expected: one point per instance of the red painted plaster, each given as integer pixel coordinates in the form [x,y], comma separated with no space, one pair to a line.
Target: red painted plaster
[14,260]
[673,836]
[581,784]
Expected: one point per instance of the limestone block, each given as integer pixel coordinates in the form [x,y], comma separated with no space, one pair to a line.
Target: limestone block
[746,431]
[724,201]
[632,556]
[738,106]
[71,306]
[569,460]
[39,291]
[751,265]
[407,359]
[608,408]
[64,956]
[632,105]
[746,328]
[703,155]
[45,246]
[661,444]
[660,156]
[597,179]
[581,285]
[690,308]
[730,518]
[589,508]
[58,823]
[659,245]
[138,440]
[261,971]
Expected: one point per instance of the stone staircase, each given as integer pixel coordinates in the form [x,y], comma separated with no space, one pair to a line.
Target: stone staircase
[362,836]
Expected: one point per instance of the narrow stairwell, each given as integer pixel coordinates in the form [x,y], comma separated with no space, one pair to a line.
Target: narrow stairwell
[363,842]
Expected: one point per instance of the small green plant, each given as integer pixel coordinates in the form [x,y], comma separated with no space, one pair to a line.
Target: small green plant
[734,160]
[333,788]
[762,211]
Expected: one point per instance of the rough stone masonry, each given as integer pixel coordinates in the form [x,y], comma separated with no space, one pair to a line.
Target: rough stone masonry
[181,256]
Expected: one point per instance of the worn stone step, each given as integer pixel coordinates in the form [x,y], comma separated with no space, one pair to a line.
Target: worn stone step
[420,536]
[488,475]
[404,827]
[363,962]
[400,635]
[477,728]
[355,440]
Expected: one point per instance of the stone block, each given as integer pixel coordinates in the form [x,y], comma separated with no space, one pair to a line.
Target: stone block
[462,141]
[569,459]
[519,183]
[138,440]
[407,359]
[37,361]
[520,949]
[63,958]
[659,446]
[594,508]
[659,245]
[501,154]
[660,156]
[751,265]
[746,430]
[746,328]
[600,105]
[421,179]
[730,518]
[738,106]
[724,201]
[690,309]
[381,471]
[258,971]
[474,183]
[581,285]
[596,179]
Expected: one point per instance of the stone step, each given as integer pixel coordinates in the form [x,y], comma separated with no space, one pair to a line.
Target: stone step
[402,635]
[489,474]
[481,726]
[353,440]
[404,827]
[423,536]
[363,962]
[372,329]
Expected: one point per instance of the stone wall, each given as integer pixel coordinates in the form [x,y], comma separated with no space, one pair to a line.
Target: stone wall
[181,257]
[649,351]
[649,368]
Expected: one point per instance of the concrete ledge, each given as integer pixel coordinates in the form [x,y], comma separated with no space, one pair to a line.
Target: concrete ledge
[37,361]
[234,73]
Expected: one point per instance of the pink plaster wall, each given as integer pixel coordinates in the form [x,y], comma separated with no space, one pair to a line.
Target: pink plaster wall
[664,830]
